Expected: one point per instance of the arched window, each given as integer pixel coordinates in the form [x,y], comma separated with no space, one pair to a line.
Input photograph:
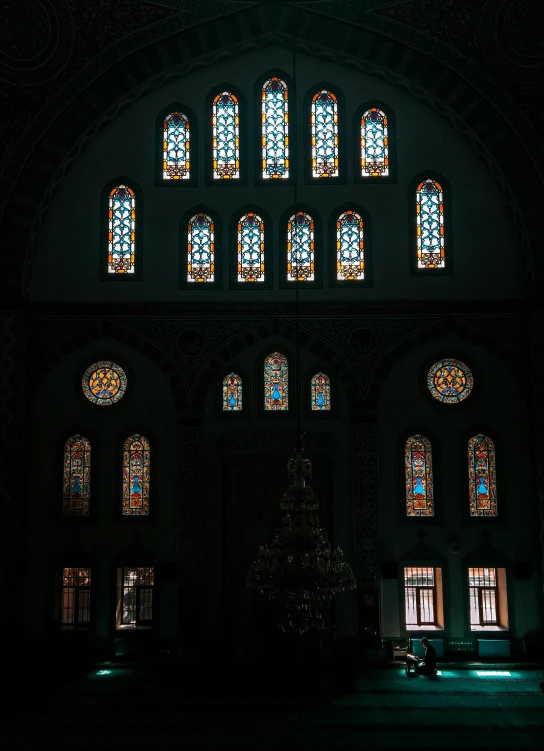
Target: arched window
[136,476]
[275,129]
[200,249]
[176,157]
[350,256]
[374,144]
[76,493]
[320,392]
[418,476]
[121,231]
[276,382]
[300,248]
[232,393]
[482,476]
[251,265]
[226,137]
[324,123]
[430,246]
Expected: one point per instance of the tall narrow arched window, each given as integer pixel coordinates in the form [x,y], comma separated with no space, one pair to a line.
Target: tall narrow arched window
[324,124]
[350,256]
[200,249]
[226,136]
[122,209]
[320,392]
[300,248]
[232,393]
[136,475]
[374,157]
[482,476]
[176,154]
[276,382]
[430,244]
[251,256]
[76,493]
[418,476]
[275,129]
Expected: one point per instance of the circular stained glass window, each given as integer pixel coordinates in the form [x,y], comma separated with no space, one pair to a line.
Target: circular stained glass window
[450,381]
[104,383]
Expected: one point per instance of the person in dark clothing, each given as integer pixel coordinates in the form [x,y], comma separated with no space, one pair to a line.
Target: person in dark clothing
[427,666]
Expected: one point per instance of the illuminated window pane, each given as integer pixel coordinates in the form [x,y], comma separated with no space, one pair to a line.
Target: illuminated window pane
[483,594]
[324,119]
[275,129]
[320,392]
[300,248]
[176,161]
[350,256]
[374,144]
[136,476]
[226,137]
[121,230]
[104,383]
[251,248]
[76,597]
[76,493]
[419,596]
[200,249]
[135,596]
[418,474]
[431,253]
[450,381]
[482,476]
[232,393]
[276,382]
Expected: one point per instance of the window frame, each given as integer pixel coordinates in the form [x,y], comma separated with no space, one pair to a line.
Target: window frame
[449,269]
[368,281]
[439,602]
[144,626]
[268,282]
[160,182]
[505,620]
[402,517]
[59,595]
[318,248]
[243,135]
[218,250]
[103,274]
[341,179]
[258,179]
[392,143]
[502,508]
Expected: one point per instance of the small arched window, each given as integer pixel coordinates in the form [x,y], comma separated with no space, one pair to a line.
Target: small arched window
[374,144]
[482,476]
[320,392]
[300,248]
[350,256]
[226,137]
[418,476]
[76,493]
[176,156]
[200,249]
[430,245]
[136,476]
[276,382]
[121,231]
[275,129]
[324,124]
[250,240]
[232,393]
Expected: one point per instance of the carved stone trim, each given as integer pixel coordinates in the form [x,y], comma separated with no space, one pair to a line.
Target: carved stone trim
[365,506]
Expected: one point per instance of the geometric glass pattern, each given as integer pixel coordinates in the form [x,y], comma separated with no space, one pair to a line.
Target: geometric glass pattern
[418,475]
[450,381]
[276,382]
[482,476]
[76,486]
[121,230]
[76,597]
[374,144]
[136,476]
[350,262]
[250,248]
[300,248]
[232,393]
[274,129]
[430,225]
[320,390]
[201,249]
[324,120]
[226,137]
[176,160]
[104,383]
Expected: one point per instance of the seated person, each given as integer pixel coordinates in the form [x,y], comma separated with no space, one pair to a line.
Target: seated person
[426,666]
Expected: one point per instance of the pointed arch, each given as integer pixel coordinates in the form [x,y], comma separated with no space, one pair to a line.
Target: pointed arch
[430,212]
[121,220]
[76,494]
[418,477]
[320,392]
[232,394]
[136,476]
[301,230]
[375,150]
[350,234]
[276,155]
[177,148]
[250,245]
[199,258]
[276,382]
[482,477]
[225,117]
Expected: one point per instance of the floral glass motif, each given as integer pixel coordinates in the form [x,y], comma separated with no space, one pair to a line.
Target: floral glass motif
[201,249]
[450,381]
[232,393]
[121,230]
[374,144]
[275,129]
[300,248]
[482,476]
[76,492]
[276,382]
[226,137]
[418,475]
[250,248]
[431,252]
[324,122]
[176,161]
[136,476]
[104,383]
[350,257]
[320,392]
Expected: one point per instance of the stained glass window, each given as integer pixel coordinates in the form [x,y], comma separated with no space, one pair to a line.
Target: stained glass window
[324,122]
[232,393]
[450,381]
[430,225]
[121,230]
[76,492]
[276,382]
[482,476]
[251,248]
[275,129]
[300,248]
[320,392]
[418,476]
[226,137]
[136,477]
[350,257]
[76,597]
[201,249]
[176,159]
[374,144]
[104,383]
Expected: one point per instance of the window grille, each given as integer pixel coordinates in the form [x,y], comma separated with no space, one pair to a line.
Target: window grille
[483,596]
[420,596]
[76,597]
[137,596]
